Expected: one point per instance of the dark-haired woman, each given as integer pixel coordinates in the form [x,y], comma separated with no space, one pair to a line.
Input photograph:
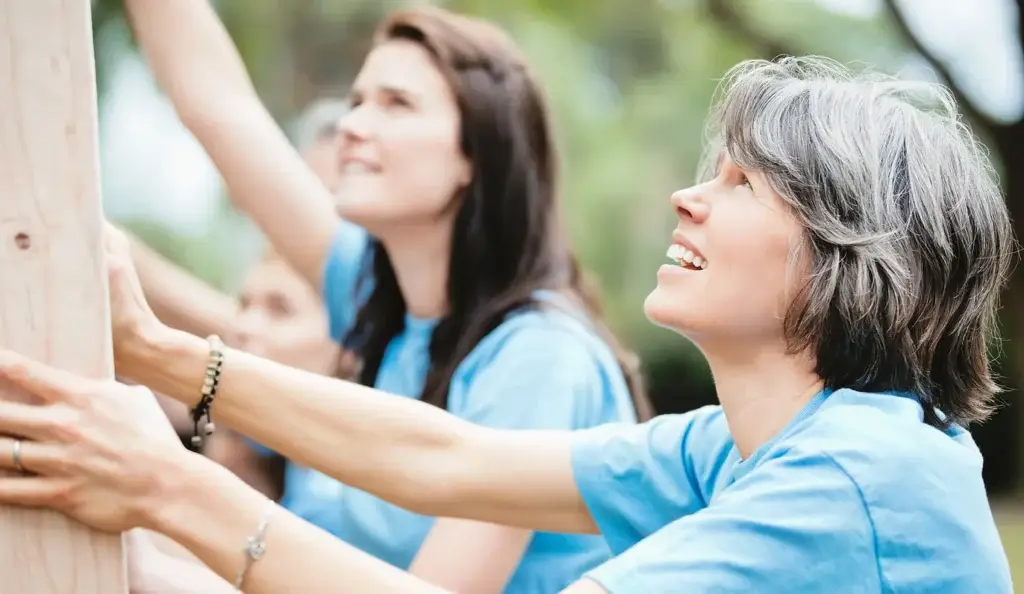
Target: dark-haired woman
[448,271]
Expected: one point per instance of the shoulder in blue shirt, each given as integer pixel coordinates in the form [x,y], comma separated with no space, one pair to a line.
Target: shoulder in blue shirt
[856,495]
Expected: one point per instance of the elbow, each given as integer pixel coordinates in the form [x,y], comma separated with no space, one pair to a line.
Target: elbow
[440,478]
[198,118]
[193,117]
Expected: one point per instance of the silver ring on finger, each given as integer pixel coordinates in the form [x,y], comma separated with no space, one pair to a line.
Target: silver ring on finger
[16,456]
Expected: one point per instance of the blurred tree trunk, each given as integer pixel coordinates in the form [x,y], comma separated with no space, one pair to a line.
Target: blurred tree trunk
[1006,141]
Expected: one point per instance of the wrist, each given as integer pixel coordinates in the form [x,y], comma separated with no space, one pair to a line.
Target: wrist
[179,484]
[164,360]
[139,346]
[206,509]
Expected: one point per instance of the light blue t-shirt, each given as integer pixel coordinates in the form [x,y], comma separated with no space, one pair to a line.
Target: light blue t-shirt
[856,495]
[540,369]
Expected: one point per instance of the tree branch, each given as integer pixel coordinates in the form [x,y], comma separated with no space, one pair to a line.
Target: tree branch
[725,13]
[941,68]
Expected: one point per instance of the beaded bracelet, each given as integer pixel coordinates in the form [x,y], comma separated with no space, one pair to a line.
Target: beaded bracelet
[209,391]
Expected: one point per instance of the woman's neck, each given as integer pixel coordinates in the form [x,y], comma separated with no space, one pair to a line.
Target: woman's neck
[762,392]
[420,259]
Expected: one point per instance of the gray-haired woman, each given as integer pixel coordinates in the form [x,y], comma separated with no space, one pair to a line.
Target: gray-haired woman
[838,265]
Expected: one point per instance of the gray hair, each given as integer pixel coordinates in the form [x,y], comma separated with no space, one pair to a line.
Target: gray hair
[316,120]
[909,238]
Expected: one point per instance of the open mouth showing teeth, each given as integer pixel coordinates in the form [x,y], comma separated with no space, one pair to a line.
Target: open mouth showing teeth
[685,258]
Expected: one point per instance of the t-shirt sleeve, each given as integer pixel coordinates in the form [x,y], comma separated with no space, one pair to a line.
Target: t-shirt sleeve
[636,479]
[539,378]
[797,524]
[342,268]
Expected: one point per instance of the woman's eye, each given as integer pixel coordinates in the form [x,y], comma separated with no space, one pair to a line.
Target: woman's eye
[399,102]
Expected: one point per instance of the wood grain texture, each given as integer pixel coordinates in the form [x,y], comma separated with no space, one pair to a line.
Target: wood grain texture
[53,289]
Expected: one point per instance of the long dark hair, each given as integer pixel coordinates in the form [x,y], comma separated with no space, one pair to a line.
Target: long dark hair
[507,240]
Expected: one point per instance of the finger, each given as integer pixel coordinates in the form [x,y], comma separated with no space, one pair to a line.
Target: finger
[36,457]
[112,236]
[116,246]
[32,491]
[47,382]
[25,420]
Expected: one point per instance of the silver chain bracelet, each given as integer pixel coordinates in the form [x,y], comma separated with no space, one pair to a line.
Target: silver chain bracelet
[254,545]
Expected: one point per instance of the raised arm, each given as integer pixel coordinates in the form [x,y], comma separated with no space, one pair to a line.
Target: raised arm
[197,65]
[402,450]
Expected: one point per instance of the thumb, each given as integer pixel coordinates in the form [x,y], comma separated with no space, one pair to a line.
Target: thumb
[114,239]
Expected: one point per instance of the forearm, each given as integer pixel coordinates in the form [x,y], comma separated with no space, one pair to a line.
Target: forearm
[197,315]
[342,429]
[470,557]
[191,54]
[179,299]
[196,63]
[412,454]
[212,513]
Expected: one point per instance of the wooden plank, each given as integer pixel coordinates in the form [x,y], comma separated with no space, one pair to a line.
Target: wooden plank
[53,288]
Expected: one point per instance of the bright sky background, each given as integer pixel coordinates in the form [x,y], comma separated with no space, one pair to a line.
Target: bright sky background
[153,168]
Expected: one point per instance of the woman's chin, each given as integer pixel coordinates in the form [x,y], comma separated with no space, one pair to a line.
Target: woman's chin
[358,212]
[664,310]
[381,219]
